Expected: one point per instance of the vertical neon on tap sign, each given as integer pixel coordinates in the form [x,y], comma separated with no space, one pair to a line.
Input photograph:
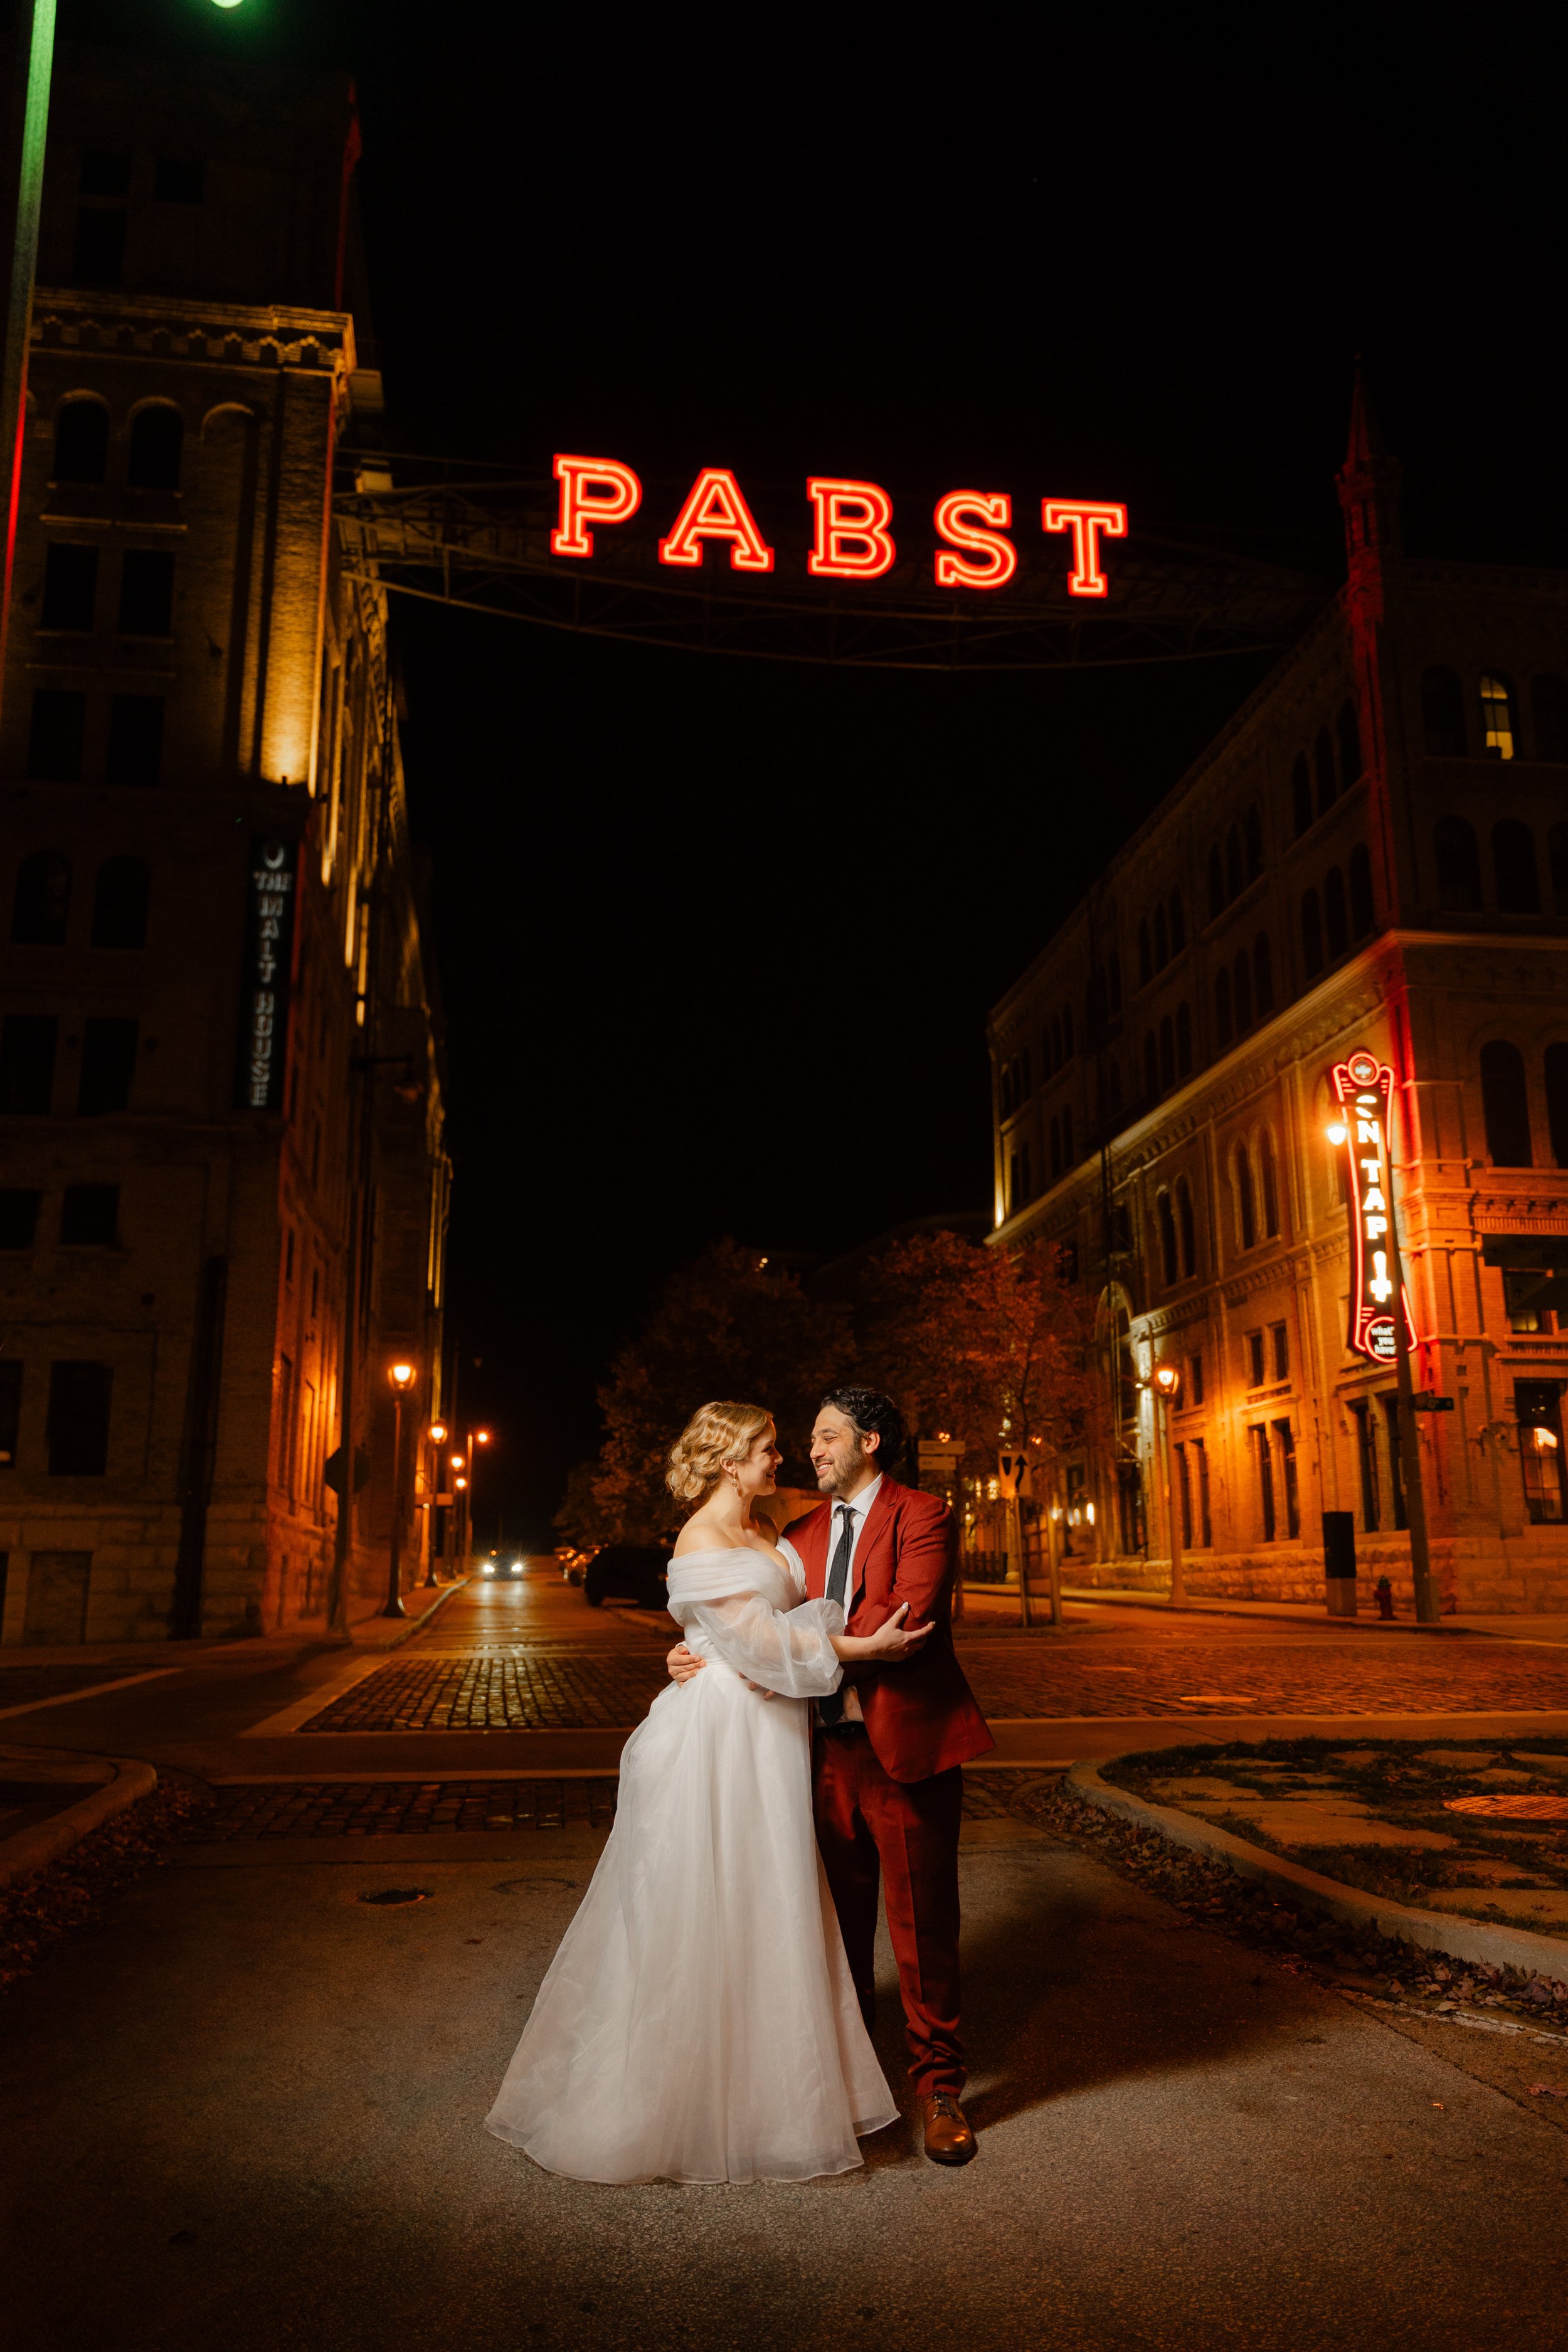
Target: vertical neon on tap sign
[1364,1088]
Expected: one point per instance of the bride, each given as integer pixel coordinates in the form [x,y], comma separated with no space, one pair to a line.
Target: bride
[699,2021]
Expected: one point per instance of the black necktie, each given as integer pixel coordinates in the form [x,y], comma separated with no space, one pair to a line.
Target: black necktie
[831,1708]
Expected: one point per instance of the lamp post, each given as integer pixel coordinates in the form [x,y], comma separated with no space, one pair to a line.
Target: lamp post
[402,1378]
[1167,1386]
[32,68]
[436,1437]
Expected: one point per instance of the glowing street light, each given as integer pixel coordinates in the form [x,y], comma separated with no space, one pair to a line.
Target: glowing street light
[438,1432]
[401,1376]
[1166,1383]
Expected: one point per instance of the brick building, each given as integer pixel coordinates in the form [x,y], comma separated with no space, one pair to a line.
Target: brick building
[225,1189]
[1371,858]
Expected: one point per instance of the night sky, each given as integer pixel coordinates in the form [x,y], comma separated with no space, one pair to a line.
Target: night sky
[717,938]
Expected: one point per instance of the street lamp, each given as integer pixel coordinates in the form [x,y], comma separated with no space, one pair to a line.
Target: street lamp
[1166,1383]
[434,1436]
[402,1378]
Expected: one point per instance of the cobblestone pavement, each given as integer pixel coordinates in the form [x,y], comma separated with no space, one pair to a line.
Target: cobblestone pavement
[556,1689]
[338,1808]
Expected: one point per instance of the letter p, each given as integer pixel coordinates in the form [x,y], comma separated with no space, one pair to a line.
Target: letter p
[593,491]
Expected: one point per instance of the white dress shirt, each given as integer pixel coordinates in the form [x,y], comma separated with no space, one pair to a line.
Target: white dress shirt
[860,1505]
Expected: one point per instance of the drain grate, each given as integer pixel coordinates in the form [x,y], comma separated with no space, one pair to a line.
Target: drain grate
[397,1895]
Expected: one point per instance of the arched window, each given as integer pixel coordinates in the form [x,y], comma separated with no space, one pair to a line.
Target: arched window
[1151,1066]
[1513,868]
[1222,1014]
[1167,1053]
[1252,829]
[1241,995]
[1349,733]
[1268,1182]
[1549,709]
[1497,717]
[81,441]
[1162,938]
[1166,1219]
[1301,795]
[157,436]
[1185,1229]
[120,904]
[1557,855]
[1262,975]
[1216,883]
[1336,921]
[1178,923]
[1145,957]
[1311,936]
[42,902]
[1233,862]
[1556,1061]
[1323,762]
[1459,866]
[1183,1040]
[1505,1101]
[1246,1210]
[1361,891]
[1443,714]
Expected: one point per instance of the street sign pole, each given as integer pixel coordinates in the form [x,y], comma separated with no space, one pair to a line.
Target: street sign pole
[34,63]
[1426,1608]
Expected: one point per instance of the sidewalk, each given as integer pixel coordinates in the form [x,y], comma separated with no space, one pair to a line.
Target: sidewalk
[373,1633]
[1521,1628]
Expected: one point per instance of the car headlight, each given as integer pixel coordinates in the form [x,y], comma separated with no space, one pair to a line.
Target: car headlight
[488,1569]
[517,1568]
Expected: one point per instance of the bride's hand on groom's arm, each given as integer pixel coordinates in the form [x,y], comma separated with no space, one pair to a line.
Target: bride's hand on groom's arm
[892,1641]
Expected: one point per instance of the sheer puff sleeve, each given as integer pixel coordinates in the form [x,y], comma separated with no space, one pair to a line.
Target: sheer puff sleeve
[788,1650]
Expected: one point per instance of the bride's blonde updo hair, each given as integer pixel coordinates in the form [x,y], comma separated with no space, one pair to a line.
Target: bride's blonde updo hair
[716,1433]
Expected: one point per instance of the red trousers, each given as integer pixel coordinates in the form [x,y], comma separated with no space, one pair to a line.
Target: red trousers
[906,1831]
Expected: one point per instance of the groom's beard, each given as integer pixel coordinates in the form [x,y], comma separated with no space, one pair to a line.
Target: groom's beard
[836,1481]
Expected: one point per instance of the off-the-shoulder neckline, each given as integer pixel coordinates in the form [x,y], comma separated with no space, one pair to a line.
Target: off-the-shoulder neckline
[724,1551]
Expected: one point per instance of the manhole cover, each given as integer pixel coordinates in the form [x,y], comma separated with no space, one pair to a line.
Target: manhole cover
[397,1895]
[1510,1809]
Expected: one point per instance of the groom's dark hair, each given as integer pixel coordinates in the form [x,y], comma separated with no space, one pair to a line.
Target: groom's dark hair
[869,1410]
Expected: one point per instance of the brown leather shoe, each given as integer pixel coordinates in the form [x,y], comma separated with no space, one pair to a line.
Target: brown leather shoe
[949,2139]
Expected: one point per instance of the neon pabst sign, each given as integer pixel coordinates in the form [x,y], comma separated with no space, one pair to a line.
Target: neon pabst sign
[851,524]
[1364,1088]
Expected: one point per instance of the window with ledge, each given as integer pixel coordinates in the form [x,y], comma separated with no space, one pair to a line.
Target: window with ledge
[1195,1376]
[135,739]
[1505,1105]
[56,734]
[1263,1465]
[1459,866]
[1245,1206]
[70,588]
[157,440]
[1443,713]
[81,440]
[27,1042]
[18,1217]
[1186,1234]
[1165,1220]
[1366,1464]
[77,1425]
[108,1065]
[1268,1182]
[1524,1290]
[1548,709]
[1200,1465]
[1288,1481]
[1537,1406]
[1279,1340]
[146,592]
[42,908]
[1185,1493]
[1497,729]
[89,1216]
[120,904]
[1302,795]
[1513,868]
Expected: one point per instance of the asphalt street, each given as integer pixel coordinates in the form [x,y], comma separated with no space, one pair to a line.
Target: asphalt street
[245,2109]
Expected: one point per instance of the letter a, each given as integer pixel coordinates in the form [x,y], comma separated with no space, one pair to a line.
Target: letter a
[1086,518]
[956,522]
[853,542]
[716,510]
[593,491]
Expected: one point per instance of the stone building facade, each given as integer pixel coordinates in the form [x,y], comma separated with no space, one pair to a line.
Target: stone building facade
[223,1195]
[1371,858]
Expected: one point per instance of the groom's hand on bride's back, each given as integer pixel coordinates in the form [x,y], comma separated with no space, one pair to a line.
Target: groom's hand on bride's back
[682,1664]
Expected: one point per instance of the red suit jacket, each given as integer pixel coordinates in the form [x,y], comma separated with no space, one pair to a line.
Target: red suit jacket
[920,1716]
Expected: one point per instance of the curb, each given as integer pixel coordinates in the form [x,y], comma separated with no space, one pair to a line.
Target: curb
[403,1633]
[1434,1931]
[35,1848]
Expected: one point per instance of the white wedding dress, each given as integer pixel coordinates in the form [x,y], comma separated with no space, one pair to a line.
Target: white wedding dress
[697,2021]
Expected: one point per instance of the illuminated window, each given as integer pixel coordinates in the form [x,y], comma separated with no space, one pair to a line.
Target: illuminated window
[1164,1217]
[1183,1039]
[1189,1256]
[1539,1407]
[42,904]
[1323,766]
[120,904]
[1262,975]
[1349,733]
[1301,795]
[1505,1103]
[1269,1183]
[1241,994]
[1443,714]
[1245,1208]
[1253,834]
[1178,923]
[1336,915]
[1513,868]
[1311,936]
[1223,1026]
[1555,1071]
[81,441]
[1361,891]
[1497,717]
[1549,709]
[1522,1287]
[1459,866]
[55,735]
[157,436]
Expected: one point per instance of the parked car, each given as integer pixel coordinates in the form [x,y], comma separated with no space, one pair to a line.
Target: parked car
[573,1563]
[635,1572]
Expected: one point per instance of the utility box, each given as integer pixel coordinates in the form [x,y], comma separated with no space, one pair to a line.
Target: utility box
[1339,1562]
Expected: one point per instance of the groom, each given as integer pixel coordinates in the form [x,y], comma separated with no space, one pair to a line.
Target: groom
[887,1783]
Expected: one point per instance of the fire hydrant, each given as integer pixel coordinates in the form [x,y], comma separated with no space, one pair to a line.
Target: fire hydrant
[1382,1594]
